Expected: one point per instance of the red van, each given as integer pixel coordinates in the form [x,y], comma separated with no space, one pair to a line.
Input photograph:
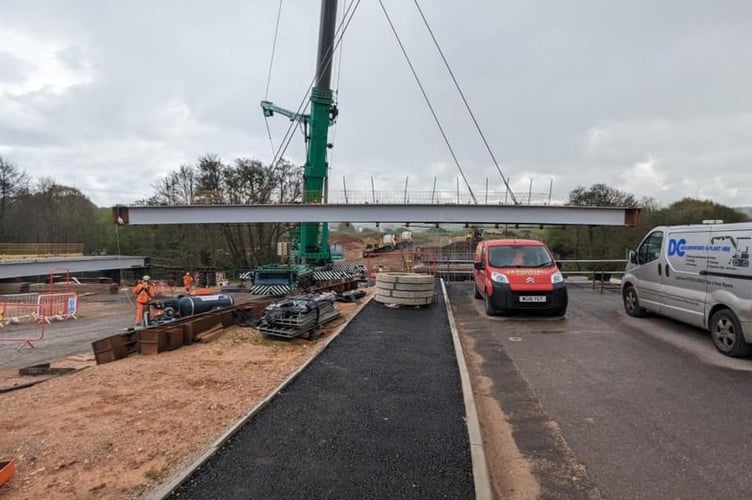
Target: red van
[516,275]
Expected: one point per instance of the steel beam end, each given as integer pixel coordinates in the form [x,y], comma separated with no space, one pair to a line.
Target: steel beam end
[120,215]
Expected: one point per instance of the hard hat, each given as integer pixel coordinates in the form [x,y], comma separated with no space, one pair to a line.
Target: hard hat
[187,274]
[147,277]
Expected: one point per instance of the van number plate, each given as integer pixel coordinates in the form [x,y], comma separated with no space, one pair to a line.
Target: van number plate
[532,298]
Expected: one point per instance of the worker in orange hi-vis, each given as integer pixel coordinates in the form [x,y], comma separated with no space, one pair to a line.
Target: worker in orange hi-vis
[144,292]
[188,283]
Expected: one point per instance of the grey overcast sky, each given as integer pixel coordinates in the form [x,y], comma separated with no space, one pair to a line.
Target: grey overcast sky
[649,96]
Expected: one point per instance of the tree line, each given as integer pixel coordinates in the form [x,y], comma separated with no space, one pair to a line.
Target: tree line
[591,242]
[48,212]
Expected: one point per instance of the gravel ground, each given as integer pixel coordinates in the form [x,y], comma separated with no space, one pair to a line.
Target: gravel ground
[379,414]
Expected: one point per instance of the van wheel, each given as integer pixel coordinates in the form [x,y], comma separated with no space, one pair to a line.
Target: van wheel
[490,309]
[559,311]
[477,293]
[632,303]
[728,336]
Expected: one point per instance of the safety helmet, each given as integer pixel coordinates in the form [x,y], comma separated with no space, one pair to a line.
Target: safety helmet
[147,277]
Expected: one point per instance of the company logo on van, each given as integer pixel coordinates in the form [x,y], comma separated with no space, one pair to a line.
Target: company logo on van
[680,247]
[676,247]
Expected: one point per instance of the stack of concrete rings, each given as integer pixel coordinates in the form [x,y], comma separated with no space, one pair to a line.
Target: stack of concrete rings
[404,289]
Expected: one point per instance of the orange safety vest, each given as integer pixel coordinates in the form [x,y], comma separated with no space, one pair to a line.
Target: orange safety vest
[144,293]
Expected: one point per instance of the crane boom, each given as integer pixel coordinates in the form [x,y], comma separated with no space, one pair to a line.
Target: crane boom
[313,244]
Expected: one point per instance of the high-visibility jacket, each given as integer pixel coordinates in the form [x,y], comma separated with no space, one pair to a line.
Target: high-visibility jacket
[144,292]
[187,280]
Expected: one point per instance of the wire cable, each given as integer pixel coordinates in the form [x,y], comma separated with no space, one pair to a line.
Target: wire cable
[269,75]
[428,101]
[336,92]
[122,278]
[302,107]
[464,100]
[304,101]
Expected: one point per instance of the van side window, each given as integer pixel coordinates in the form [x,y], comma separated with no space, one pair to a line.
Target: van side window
[650,249]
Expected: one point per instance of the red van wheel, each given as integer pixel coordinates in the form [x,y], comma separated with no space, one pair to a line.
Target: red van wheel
[490,309]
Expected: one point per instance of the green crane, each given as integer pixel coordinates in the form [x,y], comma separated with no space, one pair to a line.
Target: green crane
[313,240]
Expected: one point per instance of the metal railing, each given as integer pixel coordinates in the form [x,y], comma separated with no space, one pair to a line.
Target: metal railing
[601,270]
[387,197]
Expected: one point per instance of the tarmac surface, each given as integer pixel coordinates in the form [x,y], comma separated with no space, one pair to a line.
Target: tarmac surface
[378,414]
[65,338]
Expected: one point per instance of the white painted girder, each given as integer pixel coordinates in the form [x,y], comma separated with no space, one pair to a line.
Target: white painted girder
[421,214]
[60,265]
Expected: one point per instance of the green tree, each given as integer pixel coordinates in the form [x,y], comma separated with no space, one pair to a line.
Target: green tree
[591,242]
[62,214]
[13,183]
[694,211]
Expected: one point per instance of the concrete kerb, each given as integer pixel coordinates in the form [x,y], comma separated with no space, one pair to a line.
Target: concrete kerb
[164,491]
[481,479]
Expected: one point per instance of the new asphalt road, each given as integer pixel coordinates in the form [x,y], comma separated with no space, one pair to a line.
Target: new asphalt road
[379,414]
[646,407]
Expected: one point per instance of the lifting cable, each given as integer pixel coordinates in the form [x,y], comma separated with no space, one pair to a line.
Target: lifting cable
[428,101]
[339,34]
[336,91]
[464,100]
[269,76]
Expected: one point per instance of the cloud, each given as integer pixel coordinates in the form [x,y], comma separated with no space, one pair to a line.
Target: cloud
[647,96]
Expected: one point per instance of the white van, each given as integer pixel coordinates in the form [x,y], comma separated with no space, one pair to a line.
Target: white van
[698,274]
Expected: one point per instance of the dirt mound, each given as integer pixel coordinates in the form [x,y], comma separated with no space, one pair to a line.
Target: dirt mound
[346,240]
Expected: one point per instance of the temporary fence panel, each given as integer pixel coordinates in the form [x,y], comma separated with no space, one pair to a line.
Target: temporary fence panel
[165,288]
[57,306]
[21,336]
[25,341]
[419,261]
[18,307]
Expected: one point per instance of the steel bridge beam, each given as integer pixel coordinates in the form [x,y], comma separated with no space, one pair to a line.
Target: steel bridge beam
[402,214]
[46,265]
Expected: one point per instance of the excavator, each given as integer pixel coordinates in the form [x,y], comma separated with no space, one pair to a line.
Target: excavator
[741,253]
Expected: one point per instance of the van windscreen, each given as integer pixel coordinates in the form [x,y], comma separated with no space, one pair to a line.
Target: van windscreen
[519,256]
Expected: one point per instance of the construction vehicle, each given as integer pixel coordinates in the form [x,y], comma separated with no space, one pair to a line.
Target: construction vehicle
[474,235]
[310,240]
[389,243]
[741,254]
[281,279]
[313,240]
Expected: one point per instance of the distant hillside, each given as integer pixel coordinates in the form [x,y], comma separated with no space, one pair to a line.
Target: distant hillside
[745,210]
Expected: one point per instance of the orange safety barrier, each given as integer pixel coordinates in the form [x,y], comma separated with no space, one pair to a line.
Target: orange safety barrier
[165,288]
[57,306]
[30,311]
[18,307]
